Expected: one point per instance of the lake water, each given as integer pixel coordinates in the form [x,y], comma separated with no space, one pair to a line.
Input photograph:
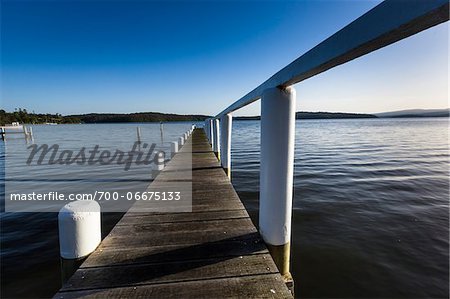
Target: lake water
[371,206]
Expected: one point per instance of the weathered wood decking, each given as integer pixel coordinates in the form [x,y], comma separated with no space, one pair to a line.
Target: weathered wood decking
[213,252]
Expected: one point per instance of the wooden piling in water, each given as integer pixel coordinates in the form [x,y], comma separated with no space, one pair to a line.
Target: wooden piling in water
[138,132]
[30,133]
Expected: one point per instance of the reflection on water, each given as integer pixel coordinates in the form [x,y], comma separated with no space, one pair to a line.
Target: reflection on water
[370,209]
[371,205]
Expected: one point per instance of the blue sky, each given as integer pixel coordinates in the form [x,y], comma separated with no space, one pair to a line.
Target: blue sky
[198,57]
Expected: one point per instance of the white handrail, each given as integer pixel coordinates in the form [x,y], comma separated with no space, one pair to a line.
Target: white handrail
[387,23]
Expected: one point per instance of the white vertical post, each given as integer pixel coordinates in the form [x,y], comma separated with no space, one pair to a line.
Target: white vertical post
[211,132]
[276,176]
[216,143]
[79,233]
[160,161]
[173,148]
[181,142]
[225,142]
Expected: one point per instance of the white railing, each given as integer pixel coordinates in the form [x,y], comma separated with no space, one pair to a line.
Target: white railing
[387,23]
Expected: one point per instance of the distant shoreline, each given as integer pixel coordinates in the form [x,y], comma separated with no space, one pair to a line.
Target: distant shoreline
[343,115]
[23,116]
[317,115]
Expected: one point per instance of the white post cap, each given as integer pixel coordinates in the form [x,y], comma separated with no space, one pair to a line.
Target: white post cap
[79,228]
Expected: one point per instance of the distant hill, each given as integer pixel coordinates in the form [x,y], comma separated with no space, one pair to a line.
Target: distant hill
[416,113]
[317,115]
[136,117]
[331,115]
[23,116]
[342,115]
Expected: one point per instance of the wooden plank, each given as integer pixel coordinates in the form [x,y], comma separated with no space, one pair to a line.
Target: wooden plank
[203,227]
[139,274]
[224,197]
[260,286]
[245,245]
[203,174]
[212,205]
[176,237]
[205,207]
[183,217]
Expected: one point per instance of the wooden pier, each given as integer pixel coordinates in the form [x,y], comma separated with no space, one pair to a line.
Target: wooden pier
[213,252]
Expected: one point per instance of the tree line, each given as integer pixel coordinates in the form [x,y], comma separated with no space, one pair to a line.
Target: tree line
[25,117]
